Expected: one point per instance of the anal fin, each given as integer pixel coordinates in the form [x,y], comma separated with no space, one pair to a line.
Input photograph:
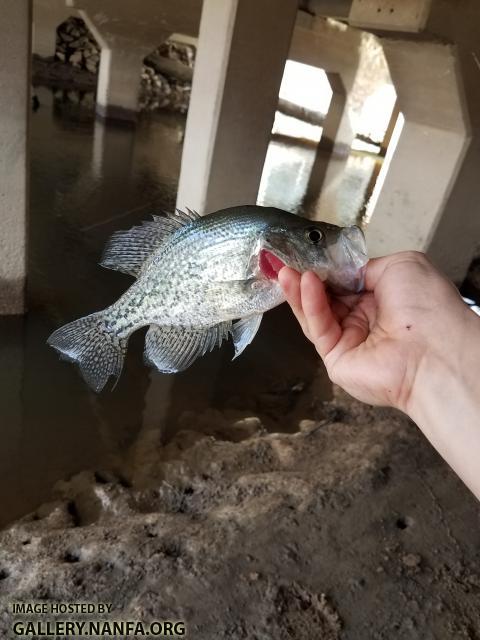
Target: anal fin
[244,331]
[173,349]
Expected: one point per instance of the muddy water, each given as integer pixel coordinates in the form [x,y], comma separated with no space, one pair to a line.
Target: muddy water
[87,180]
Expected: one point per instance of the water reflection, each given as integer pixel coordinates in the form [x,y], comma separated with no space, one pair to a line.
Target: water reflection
[285,175]
[287,171]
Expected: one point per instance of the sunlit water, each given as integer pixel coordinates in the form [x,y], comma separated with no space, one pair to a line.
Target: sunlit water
[285,179]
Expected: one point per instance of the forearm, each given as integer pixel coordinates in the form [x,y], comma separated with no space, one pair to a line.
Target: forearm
[445,404]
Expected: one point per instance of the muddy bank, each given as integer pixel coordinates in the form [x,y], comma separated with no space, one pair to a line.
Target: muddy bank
[351,528]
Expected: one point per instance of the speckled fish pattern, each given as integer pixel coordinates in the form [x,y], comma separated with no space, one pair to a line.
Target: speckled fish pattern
[197,275]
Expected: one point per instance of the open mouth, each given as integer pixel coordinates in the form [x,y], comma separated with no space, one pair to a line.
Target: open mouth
[269,264]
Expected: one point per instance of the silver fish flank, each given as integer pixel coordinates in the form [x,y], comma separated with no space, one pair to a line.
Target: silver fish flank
[200,279]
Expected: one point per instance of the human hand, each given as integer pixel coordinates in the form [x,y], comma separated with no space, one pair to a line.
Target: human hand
[375,344]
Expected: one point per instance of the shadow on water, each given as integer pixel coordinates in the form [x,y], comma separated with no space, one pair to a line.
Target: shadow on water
[88,180]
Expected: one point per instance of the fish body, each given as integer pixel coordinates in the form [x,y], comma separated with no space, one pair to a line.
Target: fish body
[196,275]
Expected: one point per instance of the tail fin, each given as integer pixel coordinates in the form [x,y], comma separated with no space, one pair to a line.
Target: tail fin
[98,351]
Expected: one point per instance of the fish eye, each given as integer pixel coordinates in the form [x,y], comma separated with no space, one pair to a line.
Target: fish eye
[314,235]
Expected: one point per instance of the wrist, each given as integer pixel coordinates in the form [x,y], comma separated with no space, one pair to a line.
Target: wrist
[445,403]
[447,373]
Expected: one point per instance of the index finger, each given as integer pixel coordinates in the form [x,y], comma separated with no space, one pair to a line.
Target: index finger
[323,327]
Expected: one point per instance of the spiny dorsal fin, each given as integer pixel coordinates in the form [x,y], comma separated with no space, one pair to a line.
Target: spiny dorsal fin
[127,251]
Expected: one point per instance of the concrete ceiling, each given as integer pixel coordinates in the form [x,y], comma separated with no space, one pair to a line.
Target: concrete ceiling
[147,20]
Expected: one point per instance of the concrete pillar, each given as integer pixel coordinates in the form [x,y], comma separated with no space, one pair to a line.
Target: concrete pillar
[326,207]
[120,69]
[12,370]
[427,148]
[119,81]
[318,43]
[384,146]
[15,53]
[47,16]
[336,129]
[127,32]
[243,45]
[44,38]
[456,240]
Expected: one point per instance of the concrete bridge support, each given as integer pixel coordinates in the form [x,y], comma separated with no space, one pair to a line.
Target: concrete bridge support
[120,69]
[15,53]
[119,81]
[336,50]
[239,66]
[126,34]
[451,236]
[428,148]
[335,128]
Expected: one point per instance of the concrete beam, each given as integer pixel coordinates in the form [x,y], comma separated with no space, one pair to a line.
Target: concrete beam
[427,150]
[330,46]
[15,54]
[239,66]
[142,22]
[390,15]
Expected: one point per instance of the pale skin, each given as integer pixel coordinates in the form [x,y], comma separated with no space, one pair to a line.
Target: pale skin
[408,341]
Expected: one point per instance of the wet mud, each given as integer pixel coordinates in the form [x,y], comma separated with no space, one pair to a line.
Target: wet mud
[350,528]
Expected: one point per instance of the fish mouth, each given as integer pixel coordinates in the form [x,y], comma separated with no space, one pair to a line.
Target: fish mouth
[349,277]
[269,264]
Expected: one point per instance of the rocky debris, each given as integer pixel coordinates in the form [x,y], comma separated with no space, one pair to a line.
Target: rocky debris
[350,528]
[76,45]
[166,76]
[184,53]
[159,92]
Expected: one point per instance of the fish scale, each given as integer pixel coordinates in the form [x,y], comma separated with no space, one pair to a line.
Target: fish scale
[196,275]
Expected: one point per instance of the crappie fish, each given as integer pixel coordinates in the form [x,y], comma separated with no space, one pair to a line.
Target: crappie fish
[195,275]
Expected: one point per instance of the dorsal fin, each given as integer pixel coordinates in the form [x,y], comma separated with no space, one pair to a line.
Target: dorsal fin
[127,251]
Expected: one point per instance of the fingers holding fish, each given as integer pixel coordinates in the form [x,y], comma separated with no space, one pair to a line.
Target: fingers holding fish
[323,328]
[339,306]
[289,280]
[355,330]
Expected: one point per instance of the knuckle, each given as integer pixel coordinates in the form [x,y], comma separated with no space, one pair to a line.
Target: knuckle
[416,256]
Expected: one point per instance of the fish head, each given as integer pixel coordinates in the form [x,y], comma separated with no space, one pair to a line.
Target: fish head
[338,255]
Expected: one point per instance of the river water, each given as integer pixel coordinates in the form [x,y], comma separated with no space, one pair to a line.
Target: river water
[88,180]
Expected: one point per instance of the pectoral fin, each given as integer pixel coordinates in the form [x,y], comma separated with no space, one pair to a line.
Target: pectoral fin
[173,349]
[244,331]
